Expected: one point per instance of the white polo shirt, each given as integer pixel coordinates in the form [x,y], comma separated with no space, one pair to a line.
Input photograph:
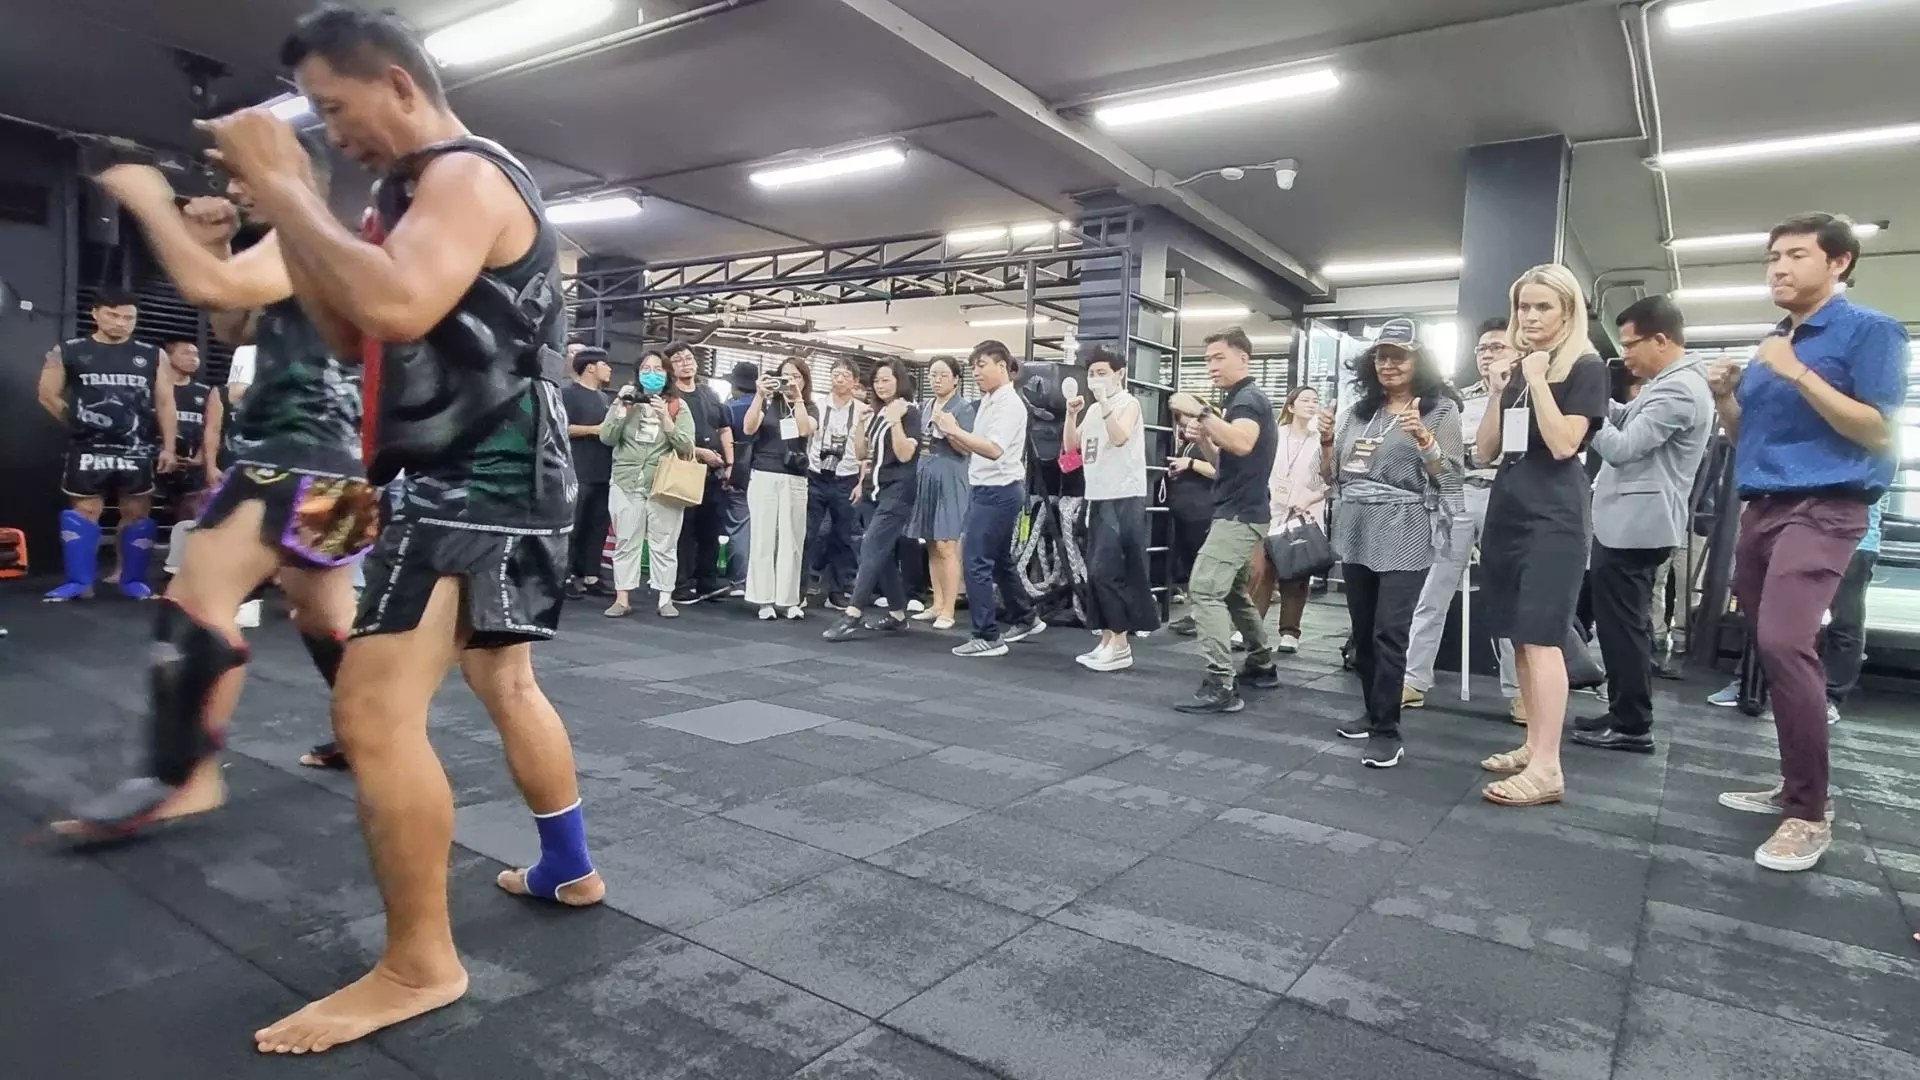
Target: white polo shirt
[240,372]
[1000,418]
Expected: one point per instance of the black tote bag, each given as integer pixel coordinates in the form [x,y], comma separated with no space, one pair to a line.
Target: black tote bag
[1300,550]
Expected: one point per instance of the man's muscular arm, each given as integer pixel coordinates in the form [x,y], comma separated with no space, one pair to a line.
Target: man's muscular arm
[196,254]
[463,208]
[53,385]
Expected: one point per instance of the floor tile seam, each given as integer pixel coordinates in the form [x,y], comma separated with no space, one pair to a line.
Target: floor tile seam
[1803,1020]
[1642,938]
[1442,1051]
[977,810]
[985,1067]
[1617,974]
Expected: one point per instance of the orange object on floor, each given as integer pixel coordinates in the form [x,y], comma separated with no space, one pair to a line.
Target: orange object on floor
[13,554]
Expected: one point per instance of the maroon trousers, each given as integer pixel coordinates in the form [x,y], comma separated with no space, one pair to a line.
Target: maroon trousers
[1792,552]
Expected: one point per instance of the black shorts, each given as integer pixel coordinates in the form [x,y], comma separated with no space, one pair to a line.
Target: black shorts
[511,585]
[181,484]
[315,520]
[106,474]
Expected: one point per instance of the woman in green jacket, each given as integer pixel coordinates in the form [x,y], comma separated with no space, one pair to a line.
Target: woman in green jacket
[644,425]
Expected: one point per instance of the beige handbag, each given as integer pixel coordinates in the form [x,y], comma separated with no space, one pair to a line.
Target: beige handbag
[680,481]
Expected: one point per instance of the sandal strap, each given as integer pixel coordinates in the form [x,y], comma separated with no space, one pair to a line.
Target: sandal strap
[1522,787]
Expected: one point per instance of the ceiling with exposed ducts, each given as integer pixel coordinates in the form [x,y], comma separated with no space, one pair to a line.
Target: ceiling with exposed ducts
[684,113]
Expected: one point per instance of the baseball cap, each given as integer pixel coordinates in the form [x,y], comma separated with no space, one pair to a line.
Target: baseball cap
[745,376]
[1404,333]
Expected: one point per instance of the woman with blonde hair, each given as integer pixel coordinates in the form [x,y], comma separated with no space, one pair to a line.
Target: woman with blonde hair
[1539,530]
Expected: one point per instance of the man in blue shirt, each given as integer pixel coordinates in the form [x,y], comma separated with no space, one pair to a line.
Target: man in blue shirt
[1813,418]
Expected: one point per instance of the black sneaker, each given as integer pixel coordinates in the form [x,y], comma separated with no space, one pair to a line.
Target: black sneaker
[1382,752]
[714,592]
[1260,676]
[886,624]
[1184,626]
[839,598]
[686,595]
[1031,628]
[846,628]
[1216,695]
[1355,729]
[575,590]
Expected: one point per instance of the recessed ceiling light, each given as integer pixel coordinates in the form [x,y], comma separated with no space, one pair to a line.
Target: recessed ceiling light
[886,157]
[513,28]
[589,210]
[958,350]
[1711,293]
[1376,268]
[1271,339]
[1863,230]
[858,331]
[1037,320]
[984,235]
[1724,331]
[1797,146]
[1193,103]
[1704,13]
[1221,311]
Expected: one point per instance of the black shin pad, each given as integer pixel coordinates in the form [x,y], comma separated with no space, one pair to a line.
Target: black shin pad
[326,652]
[189,658]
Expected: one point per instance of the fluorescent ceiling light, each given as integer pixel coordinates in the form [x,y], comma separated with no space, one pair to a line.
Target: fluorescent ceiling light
[1260,92]
[1723,331]
[1032,228]
[1863,230]
[1722,292]
[1425,264]
[514,28]
[1227,311]
[1271,339]
[858,331]
[1704,13]
[983,235]
[589,210]
[290,107]
[961,350]
[886,157]
[1037,320]
[1797,146]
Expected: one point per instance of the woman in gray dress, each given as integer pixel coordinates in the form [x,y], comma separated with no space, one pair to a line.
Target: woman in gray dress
[940,510]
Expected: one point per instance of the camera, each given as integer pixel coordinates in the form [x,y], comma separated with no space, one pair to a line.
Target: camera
[633,395]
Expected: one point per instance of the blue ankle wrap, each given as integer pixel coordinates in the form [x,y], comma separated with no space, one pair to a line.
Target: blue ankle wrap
[563,852]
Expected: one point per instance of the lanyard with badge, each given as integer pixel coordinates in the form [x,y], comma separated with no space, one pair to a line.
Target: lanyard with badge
[1516,423]
[1360,458]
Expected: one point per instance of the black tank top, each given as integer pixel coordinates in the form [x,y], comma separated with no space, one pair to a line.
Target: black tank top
[189,417]
[110,395]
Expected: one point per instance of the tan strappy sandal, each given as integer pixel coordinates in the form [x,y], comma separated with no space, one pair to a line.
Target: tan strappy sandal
[1526,789]
[1513,761]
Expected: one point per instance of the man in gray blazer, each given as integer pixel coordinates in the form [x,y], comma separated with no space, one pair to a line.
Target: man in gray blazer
[1652,448]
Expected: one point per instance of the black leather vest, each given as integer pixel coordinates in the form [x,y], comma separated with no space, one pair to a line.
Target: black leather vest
[438,397]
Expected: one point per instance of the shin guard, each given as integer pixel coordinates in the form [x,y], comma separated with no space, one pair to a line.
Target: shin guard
[563,853]
[80,550]
[136,555]
[326,651]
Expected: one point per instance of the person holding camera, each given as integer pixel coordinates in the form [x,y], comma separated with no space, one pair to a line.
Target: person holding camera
[889,446]
[833,490]
[644,425]
[780,420]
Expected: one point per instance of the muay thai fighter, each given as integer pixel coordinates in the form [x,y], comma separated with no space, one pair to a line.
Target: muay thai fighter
[461,270]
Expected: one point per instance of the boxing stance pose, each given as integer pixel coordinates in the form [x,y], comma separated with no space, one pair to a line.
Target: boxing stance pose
[461,275]
[113,429]
[295,500]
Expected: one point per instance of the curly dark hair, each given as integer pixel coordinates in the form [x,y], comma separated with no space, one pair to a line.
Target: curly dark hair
[1429,383]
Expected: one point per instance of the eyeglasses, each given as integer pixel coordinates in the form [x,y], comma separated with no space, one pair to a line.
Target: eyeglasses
[1492,349]
[1629,343]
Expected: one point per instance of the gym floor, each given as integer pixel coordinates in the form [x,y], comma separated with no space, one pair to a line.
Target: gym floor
[875,862]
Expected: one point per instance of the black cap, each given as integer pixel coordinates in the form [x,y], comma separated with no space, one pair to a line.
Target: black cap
[1404,333]
[745,377]
[588,356]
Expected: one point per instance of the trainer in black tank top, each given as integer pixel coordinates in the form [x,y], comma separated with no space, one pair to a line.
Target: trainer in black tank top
[189,417]
[110,395]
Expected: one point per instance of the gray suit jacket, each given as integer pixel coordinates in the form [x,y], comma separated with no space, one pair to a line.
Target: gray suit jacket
[1652,448]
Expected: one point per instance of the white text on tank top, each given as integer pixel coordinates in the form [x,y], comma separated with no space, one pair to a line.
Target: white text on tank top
[1113,472]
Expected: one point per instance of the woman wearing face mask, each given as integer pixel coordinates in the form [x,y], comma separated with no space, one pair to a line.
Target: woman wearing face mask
[1113,451]
[889,447]
[940,505]
[644,425]
[1299,492]
[1394,460]
[780,420]
[1533,552]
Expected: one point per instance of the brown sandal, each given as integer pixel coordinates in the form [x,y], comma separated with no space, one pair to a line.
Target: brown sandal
[1524,789]
[1513,761]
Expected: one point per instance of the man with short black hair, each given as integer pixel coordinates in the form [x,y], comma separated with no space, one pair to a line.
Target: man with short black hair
[102,387]
[1240,440]
[586,401]
[997,478]
[1651,448]
[1814,418]
[833,489]
[713,446]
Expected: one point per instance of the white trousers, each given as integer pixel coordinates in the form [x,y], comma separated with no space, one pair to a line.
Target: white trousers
[638,521]
[1443,581]
[777,516]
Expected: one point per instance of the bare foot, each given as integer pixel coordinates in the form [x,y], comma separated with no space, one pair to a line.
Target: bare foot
[586,892]
[378,1000]
[204,791]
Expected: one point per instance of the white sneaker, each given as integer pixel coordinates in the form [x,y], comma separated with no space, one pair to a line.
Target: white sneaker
[248,616]
[1088,658]
[1107,661]
[881,603]
[1289,643]
[914,607]
[767,614]
[796,613]
[943,624]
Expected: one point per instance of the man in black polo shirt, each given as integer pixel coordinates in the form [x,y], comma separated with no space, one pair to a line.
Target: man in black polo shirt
[1239,440]
[712,447]
[585,399]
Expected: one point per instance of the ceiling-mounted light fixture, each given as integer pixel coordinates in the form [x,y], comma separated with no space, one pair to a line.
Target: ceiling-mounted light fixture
[885,157]
[858,331]
[1400,267]
[1705,13]
[1862,230]
[1021,321]
[586,211]
[1797,146]
[1712,293]
[984,235]
[1195,102]
[514,28]
[958,350]
[1218,311]
[1729,331]
[1286,171]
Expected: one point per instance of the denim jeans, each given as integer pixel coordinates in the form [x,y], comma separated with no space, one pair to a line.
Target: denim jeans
[737,523]
[992,516]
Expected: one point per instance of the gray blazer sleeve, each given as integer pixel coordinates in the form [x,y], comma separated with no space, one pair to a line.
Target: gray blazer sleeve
[1664,410]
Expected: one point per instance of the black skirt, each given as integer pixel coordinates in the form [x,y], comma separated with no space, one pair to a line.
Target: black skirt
[1533,551]
[1120,595]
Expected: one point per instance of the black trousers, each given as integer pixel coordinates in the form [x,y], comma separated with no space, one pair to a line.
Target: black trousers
[1843,650]
[1120,594]
[879,572]
[699,547]
[588,543]
[1381,606]
[1623,582]
[1189,532]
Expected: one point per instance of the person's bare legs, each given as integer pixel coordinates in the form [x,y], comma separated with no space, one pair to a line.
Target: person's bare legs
[222,565]
[946,577]
[406,811]
[539,753]
[1542,671]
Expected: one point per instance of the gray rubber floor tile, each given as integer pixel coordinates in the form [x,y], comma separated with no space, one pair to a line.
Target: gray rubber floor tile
[1671,1035]
[880,1054]
[1304,855]
[1297,1043]
[977,778]
[851,815]
[1859,913]
[703,869]
[847,746]
[1029,868]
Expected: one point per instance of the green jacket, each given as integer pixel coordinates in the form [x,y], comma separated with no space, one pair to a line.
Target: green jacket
[638,445]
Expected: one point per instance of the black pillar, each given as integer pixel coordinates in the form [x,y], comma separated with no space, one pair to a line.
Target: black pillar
[1515,219]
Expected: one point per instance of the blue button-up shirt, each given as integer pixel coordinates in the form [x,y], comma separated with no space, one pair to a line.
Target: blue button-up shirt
[1785,446]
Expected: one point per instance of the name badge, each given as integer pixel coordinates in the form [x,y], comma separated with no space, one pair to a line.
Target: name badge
[1513,430]
[790,428]
[1360,461]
